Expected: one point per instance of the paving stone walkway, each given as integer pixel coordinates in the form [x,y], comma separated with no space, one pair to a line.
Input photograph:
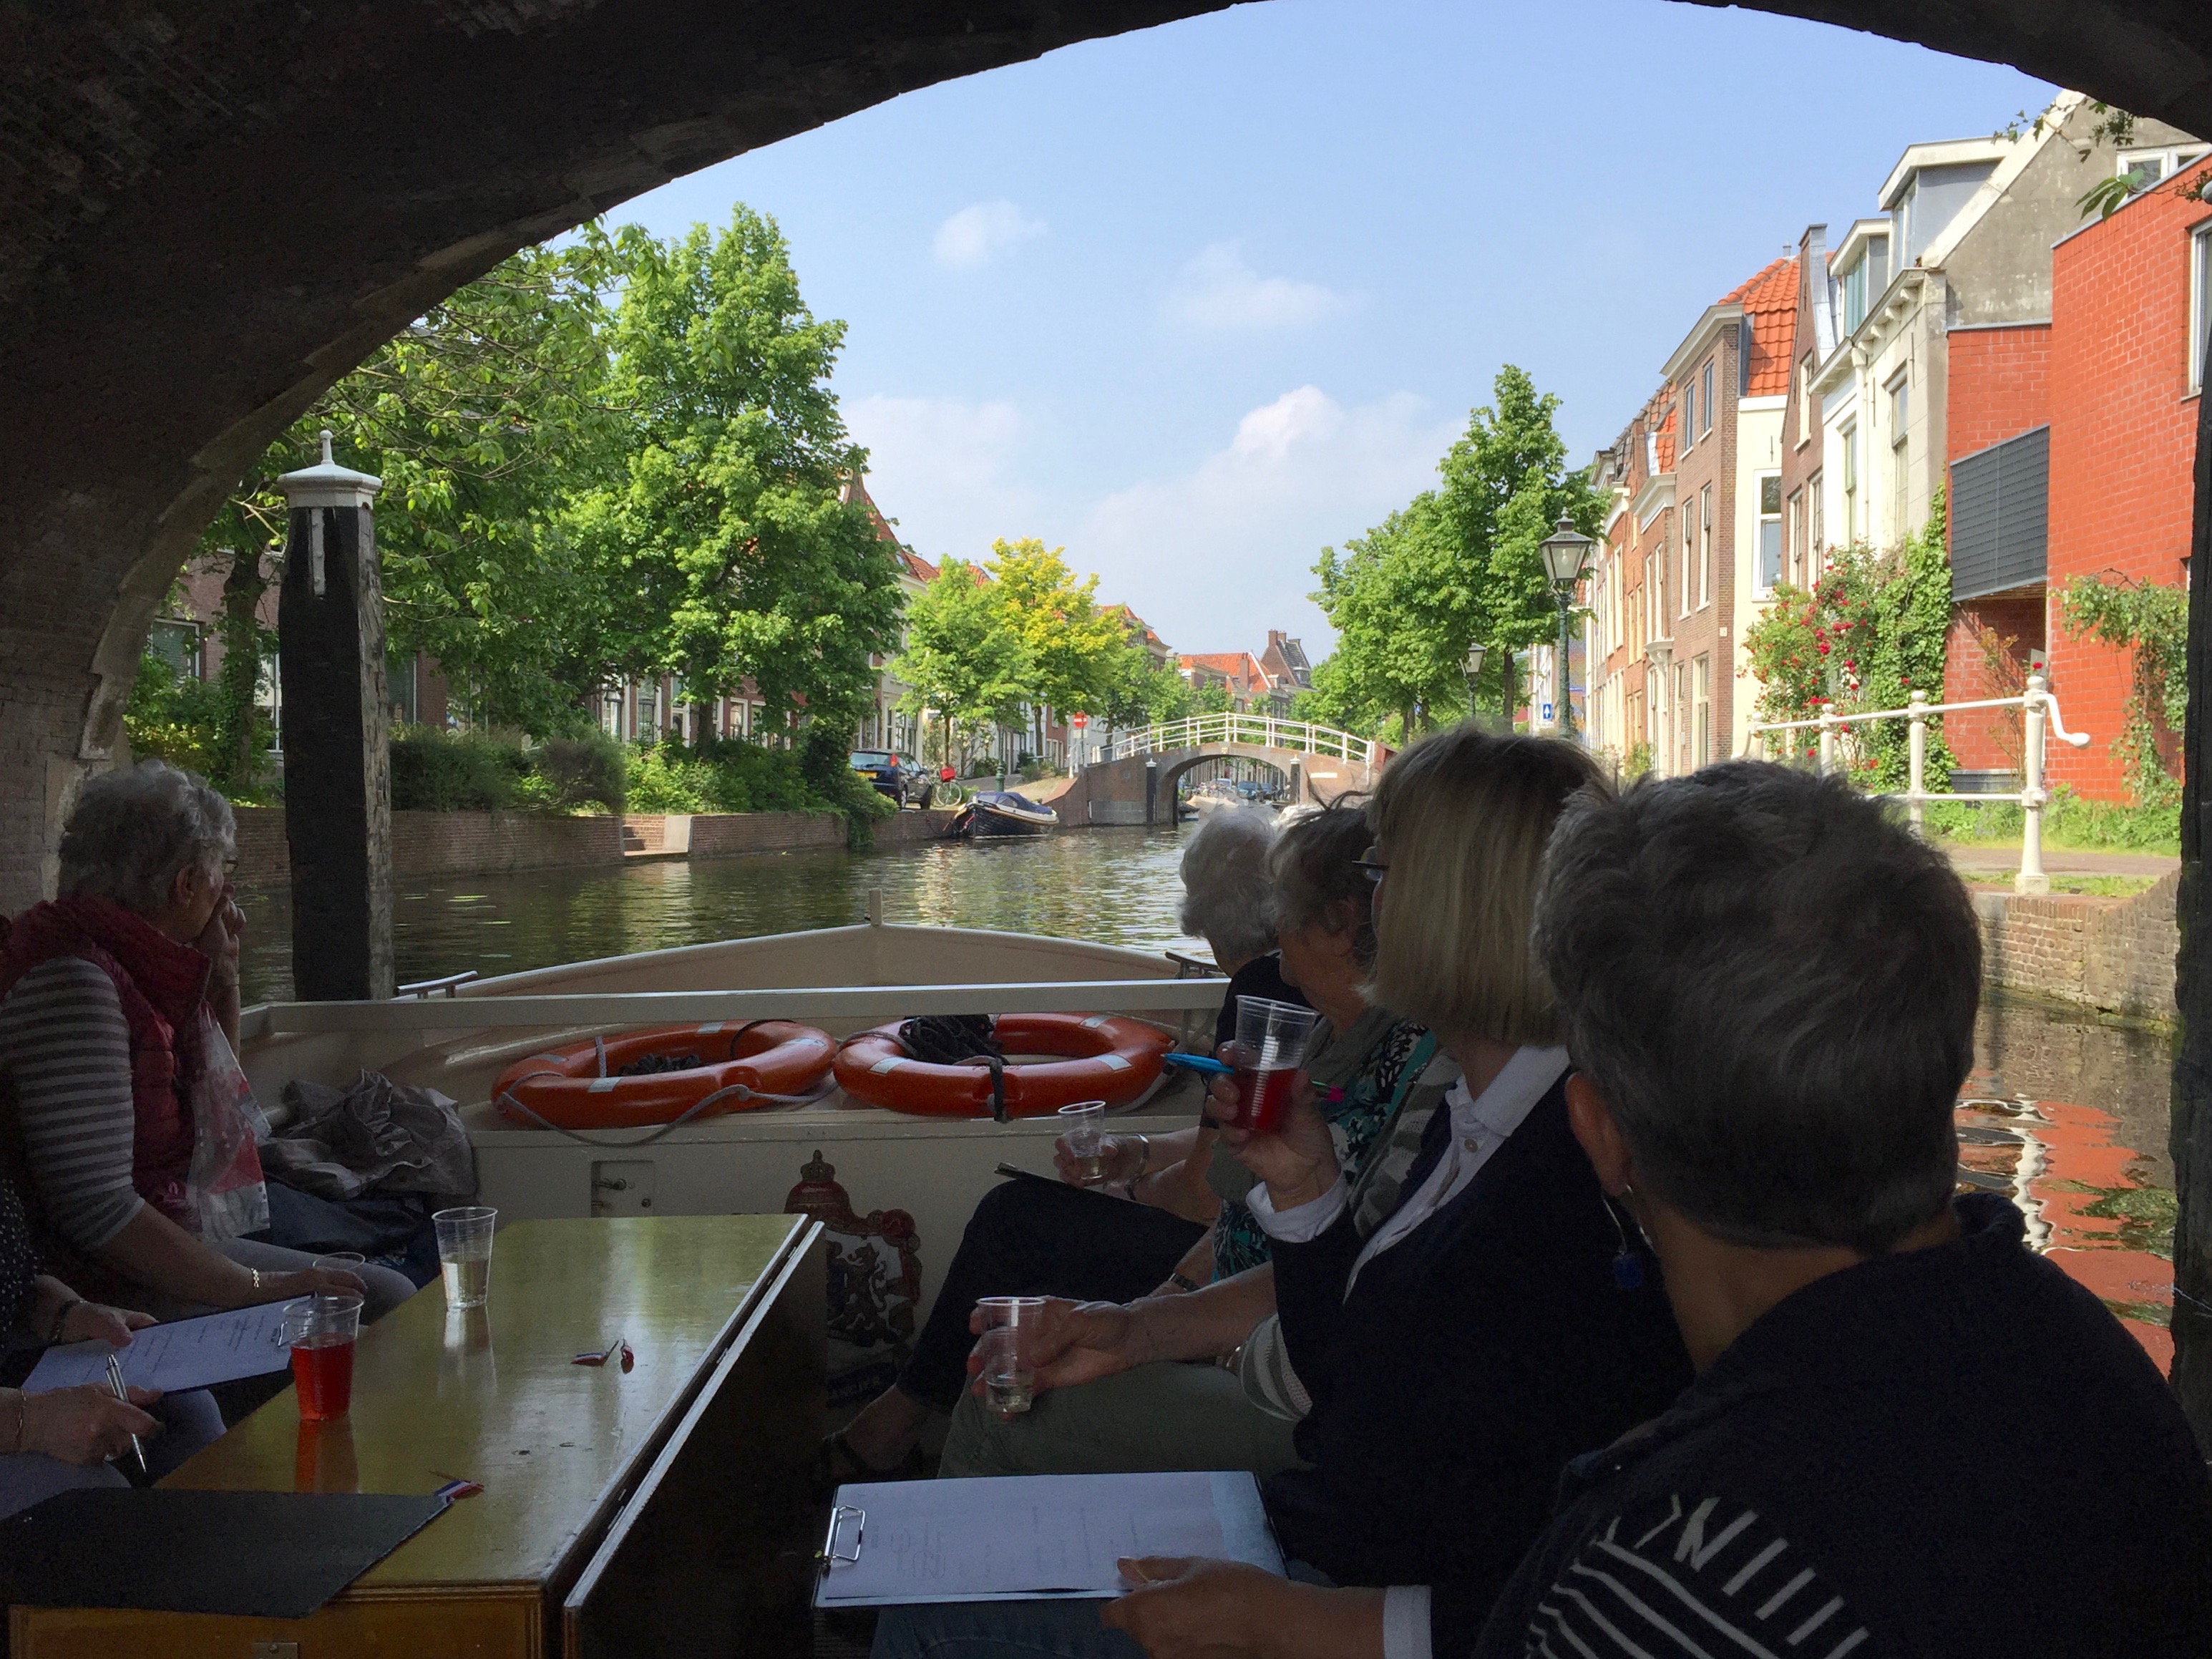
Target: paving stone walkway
[1978,860]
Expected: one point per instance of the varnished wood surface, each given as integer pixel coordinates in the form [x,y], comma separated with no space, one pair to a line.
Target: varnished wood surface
[491,1396]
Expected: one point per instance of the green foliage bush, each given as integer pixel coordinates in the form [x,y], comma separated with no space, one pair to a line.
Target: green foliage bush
[172,718]
[435,771]
[2068,821]
[582,771]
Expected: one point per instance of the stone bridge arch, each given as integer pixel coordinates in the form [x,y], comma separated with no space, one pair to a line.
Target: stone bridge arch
[1140,789]
[215,211]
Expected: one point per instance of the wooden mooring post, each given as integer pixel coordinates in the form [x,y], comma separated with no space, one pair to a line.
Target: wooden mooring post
[337,736]
[2191,1142]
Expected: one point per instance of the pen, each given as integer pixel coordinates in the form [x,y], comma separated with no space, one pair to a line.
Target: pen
[115,1382]
[1198,1063]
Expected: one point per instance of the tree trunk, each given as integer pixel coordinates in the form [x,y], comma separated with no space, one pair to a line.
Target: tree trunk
[1505,714]
[2190,1141]
[240,674]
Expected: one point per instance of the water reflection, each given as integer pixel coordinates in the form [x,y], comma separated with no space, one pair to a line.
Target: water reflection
[2065,1114]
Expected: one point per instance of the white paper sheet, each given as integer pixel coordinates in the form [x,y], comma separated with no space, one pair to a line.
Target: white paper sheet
[1024,1537]
[186,1354]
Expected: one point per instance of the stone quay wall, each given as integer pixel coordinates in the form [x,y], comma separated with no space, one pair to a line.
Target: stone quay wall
[2112,955]
[497,843]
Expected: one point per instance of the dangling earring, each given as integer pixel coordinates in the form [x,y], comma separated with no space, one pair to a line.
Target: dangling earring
[1627,1266]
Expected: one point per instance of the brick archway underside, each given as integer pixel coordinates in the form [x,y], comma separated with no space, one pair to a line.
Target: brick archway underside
[209,211]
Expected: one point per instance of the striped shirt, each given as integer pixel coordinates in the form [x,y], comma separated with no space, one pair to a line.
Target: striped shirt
[65,1051]
[1692,1578]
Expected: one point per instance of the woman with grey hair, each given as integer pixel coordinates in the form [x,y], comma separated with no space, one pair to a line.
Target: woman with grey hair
[121,1099]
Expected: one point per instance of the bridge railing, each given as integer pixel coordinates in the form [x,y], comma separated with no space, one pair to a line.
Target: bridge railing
[1258,730]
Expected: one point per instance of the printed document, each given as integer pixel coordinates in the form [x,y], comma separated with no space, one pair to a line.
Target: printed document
[186,1354]
[1024,1537]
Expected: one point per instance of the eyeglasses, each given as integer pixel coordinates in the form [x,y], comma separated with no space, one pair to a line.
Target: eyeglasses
[1373,865]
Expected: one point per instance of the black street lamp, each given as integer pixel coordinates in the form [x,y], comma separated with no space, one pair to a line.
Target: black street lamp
[1473,666]
[1566,552]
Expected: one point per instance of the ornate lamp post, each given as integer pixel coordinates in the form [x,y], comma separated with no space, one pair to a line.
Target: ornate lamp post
[1474,667]
[1566,552]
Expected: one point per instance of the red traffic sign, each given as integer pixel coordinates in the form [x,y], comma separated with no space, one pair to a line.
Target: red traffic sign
[1079,722]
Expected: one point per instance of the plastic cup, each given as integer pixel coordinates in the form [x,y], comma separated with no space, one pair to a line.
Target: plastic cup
[1271,1046]
[342,1262]
[464,1254]
[1081,1126]
[1010,1324]
[320,1331]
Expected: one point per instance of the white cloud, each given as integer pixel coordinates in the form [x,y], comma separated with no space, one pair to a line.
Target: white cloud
[1215,556]
[980,232]
[942,468]
[1219,289]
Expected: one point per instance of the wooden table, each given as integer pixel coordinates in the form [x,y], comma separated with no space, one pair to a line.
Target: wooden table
[660,1510]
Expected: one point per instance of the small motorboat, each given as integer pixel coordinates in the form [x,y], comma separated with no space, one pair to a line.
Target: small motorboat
[1002,813]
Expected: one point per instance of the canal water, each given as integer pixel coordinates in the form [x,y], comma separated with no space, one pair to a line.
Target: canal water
[2066,1113]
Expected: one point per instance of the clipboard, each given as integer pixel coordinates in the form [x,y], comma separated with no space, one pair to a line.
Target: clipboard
[1023,1538]
[1054,1181]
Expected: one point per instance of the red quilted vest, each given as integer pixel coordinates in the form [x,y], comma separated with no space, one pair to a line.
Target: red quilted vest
[162,985]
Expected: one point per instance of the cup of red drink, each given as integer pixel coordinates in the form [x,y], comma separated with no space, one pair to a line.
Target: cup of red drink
[1271,1047]
[320,1331]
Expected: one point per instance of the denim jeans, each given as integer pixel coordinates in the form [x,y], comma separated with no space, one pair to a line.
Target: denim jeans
[189,1421]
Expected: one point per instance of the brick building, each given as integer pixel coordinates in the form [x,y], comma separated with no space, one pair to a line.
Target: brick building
[1728,380]
[1628,685]
[2130,314]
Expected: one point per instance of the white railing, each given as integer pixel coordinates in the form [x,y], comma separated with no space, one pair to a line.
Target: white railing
[586,1010]
[1259,730]
[2037,705]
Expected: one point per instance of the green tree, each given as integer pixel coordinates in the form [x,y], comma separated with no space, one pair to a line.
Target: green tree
[482,418]
[1072,650]
[962,658]
[1456,565]
[722,548]
[1505,487]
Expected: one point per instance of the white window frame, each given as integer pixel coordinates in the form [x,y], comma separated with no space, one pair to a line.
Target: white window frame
[2200,302]
[1706,398]
[1764,588]
[1689,556]
[1704,547]
[2168,160]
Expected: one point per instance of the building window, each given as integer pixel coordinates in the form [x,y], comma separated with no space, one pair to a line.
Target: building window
[2142,168]
[1689,418]
[2001,517]
[177,644]
[1770,531]
[1655,594]
[1816,532]
[1689,558]
[2200,305]
[1679,708]
[1855,296]
[1900,425]
[1701,712]
[1706,400]
[1704,547]
[1805,426]
[1793,537]
[1851,484]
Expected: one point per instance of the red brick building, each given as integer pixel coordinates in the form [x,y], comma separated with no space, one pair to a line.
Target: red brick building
[2131,312]
[1627,591]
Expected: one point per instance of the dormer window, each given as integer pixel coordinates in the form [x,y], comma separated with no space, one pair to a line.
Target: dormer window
[2142,168]
[1863,282]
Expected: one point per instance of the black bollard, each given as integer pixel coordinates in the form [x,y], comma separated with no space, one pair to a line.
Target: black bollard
[336,737]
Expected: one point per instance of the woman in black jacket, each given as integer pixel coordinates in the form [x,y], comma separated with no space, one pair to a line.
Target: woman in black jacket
[1460,1348]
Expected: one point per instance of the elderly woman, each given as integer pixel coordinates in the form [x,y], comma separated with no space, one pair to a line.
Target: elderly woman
[1828,1486]
[1464,1323]
[119,1090]
[64,1437]
[1030,1239]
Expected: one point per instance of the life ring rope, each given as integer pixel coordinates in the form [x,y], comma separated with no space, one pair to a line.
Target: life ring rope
[506,1099]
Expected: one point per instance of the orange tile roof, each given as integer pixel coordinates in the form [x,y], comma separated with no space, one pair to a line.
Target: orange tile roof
[1238,665]
[917,567]
[1770,304]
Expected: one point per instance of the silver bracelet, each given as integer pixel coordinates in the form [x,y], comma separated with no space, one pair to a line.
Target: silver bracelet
[1144,1157]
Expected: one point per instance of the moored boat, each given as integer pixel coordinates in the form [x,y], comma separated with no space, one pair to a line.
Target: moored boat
[1003,812]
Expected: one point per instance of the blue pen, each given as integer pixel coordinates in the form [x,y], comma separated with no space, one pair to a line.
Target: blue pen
[1199,1063]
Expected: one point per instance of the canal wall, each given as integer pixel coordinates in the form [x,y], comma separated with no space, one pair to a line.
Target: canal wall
[497,843]
[2114,955]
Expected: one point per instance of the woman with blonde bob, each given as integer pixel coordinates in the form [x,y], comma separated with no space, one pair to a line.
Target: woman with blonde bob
[1465,1315]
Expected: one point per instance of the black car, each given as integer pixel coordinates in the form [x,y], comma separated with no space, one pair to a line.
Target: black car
[894,774]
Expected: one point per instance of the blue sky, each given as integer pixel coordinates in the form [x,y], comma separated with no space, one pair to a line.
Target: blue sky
[1197,301]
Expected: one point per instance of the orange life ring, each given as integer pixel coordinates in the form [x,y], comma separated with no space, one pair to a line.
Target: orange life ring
[1102,1057]
[578,1087]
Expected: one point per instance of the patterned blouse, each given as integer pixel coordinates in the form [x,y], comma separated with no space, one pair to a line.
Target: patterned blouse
[1356,1114]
